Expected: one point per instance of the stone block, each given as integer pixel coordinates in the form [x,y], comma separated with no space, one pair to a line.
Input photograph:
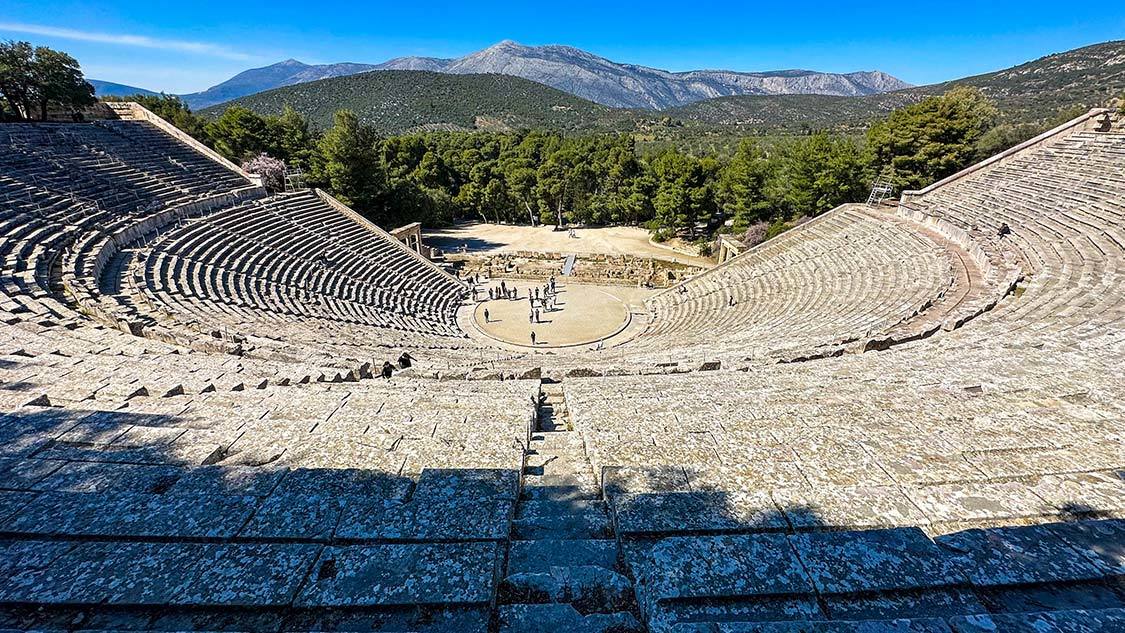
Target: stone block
[728,566]
[253,576]
[685,512]
[874,560]
[540,556]
[403,575]
[1018,555]
[853,507]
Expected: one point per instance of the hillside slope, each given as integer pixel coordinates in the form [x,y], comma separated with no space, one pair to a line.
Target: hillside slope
[1033,92]
[110,89]
[568,69]
[1085,77]
[412,100]
[396,101]
[286,73]
[619,85]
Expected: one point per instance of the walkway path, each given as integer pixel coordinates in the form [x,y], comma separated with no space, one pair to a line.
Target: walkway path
[563,572]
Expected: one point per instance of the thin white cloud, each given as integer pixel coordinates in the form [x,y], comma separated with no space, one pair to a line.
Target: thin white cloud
[125,39]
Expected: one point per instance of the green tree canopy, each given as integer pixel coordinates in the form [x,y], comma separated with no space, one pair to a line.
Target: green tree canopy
[684,196]
[742,186]
[34,80]
[349,164]
[934,138]
[239,134]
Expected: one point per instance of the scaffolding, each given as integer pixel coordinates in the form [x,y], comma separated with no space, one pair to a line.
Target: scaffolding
[294,179]
[882,188]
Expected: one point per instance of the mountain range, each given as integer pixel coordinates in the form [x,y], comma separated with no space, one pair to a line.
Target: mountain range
[397,101]
[287,73]
[571,70]
[617,85]
[111,89]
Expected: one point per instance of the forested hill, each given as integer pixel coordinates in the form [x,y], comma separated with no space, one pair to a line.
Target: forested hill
[1029,93]
[397,101]
[401,101]
[1083,78]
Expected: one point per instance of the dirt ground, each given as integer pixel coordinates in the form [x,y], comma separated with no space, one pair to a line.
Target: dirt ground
[499,238]
[582,313]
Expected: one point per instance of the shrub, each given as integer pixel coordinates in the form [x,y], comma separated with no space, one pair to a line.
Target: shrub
[755,234]
[778,227]
[269,168]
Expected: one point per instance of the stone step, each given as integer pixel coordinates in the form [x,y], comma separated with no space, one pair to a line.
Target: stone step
[899,625]
[551,423]
[589,588]
[559,508]
[563,618]
[587,525]
[557,442]
[560,492]
[541,556]
[547,465]
[576,479]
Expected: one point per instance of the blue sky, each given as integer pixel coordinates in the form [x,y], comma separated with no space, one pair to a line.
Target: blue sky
[188,46]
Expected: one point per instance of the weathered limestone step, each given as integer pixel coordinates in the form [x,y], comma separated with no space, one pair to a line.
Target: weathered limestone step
[591,524]
[561,487]
[560,492]
[559,443]
[558,508]
[563,618]
[589,588]
[213,575]
[1096,620]
[899,625]
[540,556]
[557,465]
[551,421]
[553,391]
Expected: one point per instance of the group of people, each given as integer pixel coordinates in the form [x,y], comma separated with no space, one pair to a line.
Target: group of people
[540,299]
[405,360]
[500,292]
[545,299]
[503,292]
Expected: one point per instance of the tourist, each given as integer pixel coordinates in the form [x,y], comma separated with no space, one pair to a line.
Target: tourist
[536,293]
[1004,230]
[531,316]
[490,297]
[503,288]
[388,369]
[405,360]
[533,337]
[552,283]
[537,316]
[486,319]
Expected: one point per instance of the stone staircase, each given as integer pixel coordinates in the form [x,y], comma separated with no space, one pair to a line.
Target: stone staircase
[564,571]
